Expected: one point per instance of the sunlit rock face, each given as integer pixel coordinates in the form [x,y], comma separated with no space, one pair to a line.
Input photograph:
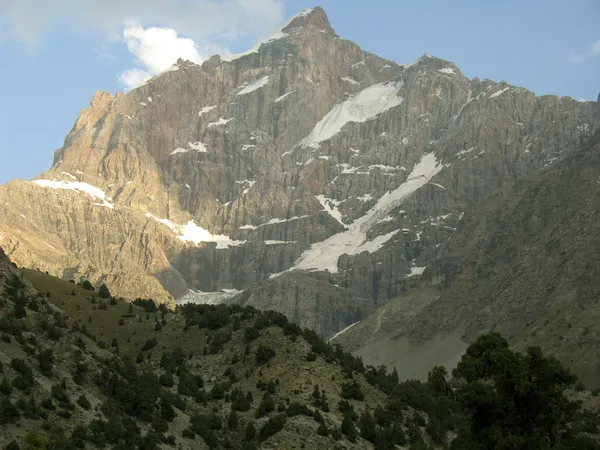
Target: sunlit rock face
[305,175]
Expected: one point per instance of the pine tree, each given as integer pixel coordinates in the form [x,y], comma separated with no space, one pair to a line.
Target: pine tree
[232,421]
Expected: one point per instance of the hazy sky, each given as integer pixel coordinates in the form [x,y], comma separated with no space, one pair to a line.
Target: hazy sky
[56,53]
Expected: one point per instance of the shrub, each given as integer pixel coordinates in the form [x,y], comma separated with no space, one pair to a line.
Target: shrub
[273,426]
[87,285]
[8,412]
[348,429]
[249,432]
[149,344]
[232,421]
[352,390]
[166,379]
[251,333]
[12,445]
[46,360]
[103,291]
[264,354]
[84,402]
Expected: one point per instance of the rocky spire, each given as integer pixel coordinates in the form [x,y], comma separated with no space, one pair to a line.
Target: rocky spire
[314,17]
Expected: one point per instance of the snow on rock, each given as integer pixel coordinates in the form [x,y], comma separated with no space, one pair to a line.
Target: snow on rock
[364,106]
[261,82]
[416,271]
[207,298]
[274,242]
[342,331]
[196,234]
[447,70]
[198,146]
[330,205]
[72,177]
[464,152]
[279,34]
[179,150]
[324,255]
[278,99]
[206,109]
[80,187]
[221,121]
[500,92]
[166,222]
[349,80]
[365,198]
[247,146]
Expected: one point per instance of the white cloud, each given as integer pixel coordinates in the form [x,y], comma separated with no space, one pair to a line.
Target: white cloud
[133,78]
[155,49]
[153,30]
[158,48]
[592,52]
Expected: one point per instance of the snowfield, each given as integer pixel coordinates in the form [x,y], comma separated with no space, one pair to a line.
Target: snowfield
[364,106]
[324,255]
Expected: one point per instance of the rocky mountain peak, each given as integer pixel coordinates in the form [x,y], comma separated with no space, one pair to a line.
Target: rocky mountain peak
[219,178]
[314,17]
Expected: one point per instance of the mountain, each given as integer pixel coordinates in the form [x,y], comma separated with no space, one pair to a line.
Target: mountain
[82,369]
[306,176]
[523,262]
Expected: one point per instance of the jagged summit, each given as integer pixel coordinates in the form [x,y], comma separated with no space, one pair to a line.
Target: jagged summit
[313,17]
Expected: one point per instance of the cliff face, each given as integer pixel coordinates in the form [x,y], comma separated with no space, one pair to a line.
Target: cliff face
[306,155]
[524,262]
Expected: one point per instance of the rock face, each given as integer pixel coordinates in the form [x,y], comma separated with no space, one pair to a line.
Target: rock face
[305,155]
[524,262]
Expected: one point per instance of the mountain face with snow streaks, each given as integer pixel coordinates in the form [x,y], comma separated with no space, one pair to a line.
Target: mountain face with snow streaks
[305,175]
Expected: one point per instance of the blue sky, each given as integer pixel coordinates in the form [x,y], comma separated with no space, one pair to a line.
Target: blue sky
[55,57]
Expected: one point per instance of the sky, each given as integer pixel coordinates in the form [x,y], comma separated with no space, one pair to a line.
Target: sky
[56,53]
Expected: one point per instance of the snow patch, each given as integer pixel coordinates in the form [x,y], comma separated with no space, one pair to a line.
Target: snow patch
[69,175]
[247,146]
[330,205]
[221,121]
[198,146]
[324,255]
[207,298]
[196,234]
[447,70]
[416,271]
[80,187]
[364,106]
[500,92]
[206,109]
[278,99]
[261,82]
[349,80]
[272,242]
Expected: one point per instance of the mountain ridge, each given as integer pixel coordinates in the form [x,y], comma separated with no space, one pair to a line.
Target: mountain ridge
[199,180]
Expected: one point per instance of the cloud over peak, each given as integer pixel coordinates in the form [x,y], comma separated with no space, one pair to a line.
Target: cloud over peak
[155,49]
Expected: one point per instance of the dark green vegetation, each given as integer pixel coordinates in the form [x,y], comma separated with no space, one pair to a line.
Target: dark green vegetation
[232,377]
